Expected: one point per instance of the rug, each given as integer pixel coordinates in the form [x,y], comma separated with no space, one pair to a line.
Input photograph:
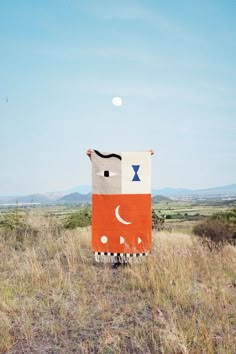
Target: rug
[121,205]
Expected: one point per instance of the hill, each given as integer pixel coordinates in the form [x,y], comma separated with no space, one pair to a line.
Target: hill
[74,198]
[161,198]
[222,191]
[32,198]
[76,195]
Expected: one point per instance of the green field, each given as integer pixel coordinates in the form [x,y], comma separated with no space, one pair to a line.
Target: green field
[183,215]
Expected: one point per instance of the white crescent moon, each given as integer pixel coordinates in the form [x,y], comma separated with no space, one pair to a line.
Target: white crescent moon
[119,218]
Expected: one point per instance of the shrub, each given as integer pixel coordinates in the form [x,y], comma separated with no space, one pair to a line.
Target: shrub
[82,218]
[11,221]
[219,228]
[158,220]
[15,230]
[228,216]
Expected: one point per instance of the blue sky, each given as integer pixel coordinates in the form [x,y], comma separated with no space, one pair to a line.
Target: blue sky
[62,61]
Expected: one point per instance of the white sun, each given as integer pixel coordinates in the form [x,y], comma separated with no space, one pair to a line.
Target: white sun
[116,101]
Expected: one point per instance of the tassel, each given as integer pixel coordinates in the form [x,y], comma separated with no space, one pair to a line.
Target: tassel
[119,258]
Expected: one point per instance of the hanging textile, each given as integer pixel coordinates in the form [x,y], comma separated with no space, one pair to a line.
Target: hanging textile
[121,205]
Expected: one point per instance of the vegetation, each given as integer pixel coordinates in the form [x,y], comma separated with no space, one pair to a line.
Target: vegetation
[55,299]
[219,227]
[12,220]
[158,220]
[228,216]
[81,218]
[15,228]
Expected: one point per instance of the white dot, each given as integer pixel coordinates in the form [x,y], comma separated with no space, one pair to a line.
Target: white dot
[139,240]
[104,239]
[117,101]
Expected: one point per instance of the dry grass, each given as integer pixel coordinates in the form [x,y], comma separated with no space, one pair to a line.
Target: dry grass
[55,299]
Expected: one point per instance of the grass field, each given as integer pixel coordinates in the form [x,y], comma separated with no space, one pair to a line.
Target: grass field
[55,299]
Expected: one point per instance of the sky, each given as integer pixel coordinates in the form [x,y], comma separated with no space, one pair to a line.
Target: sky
[62,62]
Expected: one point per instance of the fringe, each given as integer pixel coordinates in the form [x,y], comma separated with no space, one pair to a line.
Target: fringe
[121,258]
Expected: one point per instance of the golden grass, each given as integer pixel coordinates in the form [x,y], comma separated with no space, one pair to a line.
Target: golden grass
[55,299]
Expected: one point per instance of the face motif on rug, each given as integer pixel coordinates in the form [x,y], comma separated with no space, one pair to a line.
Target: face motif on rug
[121,202]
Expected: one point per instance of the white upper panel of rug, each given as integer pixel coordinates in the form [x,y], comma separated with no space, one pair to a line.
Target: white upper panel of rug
[121,173]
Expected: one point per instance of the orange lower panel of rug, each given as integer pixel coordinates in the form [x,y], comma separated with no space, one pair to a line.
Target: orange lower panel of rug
[121,223]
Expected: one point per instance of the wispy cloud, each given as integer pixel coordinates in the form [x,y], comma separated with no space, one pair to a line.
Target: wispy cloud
[131,10]
[171,94]
[139,55]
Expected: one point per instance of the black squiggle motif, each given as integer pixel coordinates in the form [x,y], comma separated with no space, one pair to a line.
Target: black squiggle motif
[107,156]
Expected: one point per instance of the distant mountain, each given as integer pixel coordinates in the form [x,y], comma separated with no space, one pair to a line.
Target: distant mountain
[74,198]
[86,198]
[8,199]
[161,198]
[229,190]
[171,191]
[53,196]
[32,198]
[84,189]
[82,197]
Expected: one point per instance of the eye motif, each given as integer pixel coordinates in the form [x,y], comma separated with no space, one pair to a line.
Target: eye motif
[106,173]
